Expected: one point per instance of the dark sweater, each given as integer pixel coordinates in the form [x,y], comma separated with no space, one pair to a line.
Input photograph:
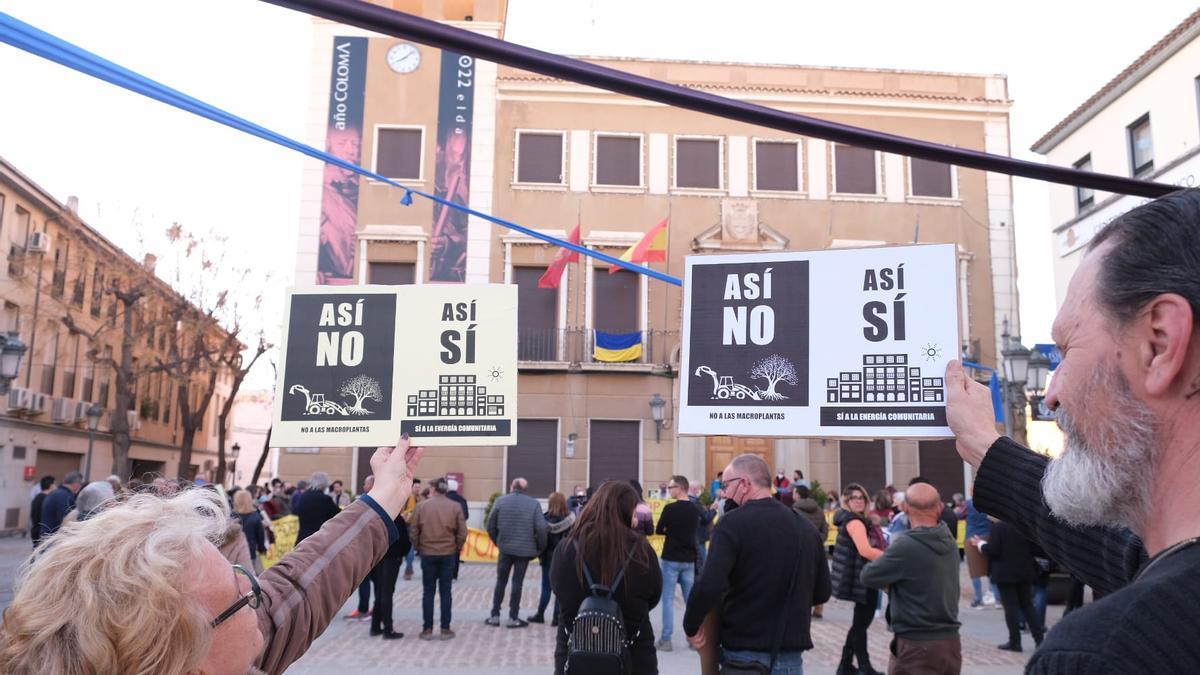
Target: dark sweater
[1010,556]
[1145,627]
[637,594]
[313,509]
[921,566]
[679,521]
[750,564]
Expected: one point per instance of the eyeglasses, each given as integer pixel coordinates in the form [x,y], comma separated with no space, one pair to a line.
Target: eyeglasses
[252,598]
[726,483]
[672,486]
[852,498]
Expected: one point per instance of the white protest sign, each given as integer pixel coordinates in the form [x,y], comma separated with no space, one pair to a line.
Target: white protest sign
[849,343]
[362,364]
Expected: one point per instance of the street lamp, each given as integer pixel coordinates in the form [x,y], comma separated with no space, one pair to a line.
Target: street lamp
[1039,366]
[657,404]
[11,351]
[1023,370]
[233,455]
[93,421]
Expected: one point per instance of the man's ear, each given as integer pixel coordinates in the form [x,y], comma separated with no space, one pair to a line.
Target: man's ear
[1164,336]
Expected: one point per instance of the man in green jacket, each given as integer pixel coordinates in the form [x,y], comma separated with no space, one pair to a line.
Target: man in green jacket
[921,567]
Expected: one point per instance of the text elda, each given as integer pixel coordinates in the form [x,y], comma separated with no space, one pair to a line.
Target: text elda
[336,348]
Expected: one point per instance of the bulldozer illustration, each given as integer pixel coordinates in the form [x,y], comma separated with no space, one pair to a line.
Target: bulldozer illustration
[724,387]
[316,404]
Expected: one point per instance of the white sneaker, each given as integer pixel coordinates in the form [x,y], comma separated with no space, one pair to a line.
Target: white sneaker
[989,599]
[878,614]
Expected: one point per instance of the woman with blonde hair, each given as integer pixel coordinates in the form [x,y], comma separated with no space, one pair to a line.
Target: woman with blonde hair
[858,542]
[559,520]
[247,513]
[140,588]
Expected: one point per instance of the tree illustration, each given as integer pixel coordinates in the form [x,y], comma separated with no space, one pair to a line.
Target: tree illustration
[774,369]
[361,388]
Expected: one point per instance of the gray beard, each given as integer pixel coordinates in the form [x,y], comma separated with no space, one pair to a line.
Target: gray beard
[1106,477]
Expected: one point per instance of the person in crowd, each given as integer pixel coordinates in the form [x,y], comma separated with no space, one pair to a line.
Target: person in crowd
[900,519]
[858,543]
[298,494]
[115,481]
[559,520]
[960,505]
[363,611]
[278,504]
[416,498]
[577,500]
[1013,570]
[252,527]
[35,509]
[679,521]
[979,527]
[163,600]
[782,488]
[947,516]
[314,507]
[452,495]
[832,501]
[704,531]
[806,506]
[798,479]
[921,569]
[882,511]
[59,502]
[715,486]
[644,514]
[337,492]
[765,601]
[1125,394]
[91,499]
[602,545]
[439,530]
[518,528]
[386,571]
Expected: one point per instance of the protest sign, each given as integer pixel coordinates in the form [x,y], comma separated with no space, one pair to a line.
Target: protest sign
[841,343]
[362,364]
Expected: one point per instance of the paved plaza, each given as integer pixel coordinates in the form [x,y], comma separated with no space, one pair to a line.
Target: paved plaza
[484,650]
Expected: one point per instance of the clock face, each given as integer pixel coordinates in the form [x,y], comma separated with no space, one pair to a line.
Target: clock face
[403,58]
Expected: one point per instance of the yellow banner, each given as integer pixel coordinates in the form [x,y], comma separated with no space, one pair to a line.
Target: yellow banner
[285,529]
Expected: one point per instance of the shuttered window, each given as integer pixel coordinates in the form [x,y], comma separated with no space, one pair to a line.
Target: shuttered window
[698,163]
[619,160]
[863,463]
[539,158]
[613,451]
[398,153]
[942,467]
[931,179]
[537,316]
[534,456]
[392,273]
[854,170]
[776,166]
[616,301]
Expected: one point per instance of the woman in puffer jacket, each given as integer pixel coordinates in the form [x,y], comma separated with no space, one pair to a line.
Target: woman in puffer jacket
[858,542]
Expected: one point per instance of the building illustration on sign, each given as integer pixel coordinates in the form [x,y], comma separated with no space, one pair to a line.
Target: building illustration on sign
[884,378]
[456,396]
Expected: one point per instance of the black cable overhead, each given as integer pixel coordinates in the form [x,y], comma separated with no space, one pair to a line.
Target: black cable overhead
[399,24]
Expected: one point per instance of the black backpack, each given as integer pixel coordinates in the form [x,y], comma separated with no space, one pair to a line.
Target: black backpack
[596,643]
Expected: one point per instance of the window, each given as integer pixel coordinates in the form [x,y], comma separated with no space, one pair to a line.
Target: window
[863,462]
[616,301]
[777,166]
[931,179]
[613,451]
[391,273]
[540,157]
[398,152]
[11,318]
[1141,146]
[855,171]
[77,288]
[97,289]
[941,465]
[535,456]
[537,316]
[85,394]
[59,282]
[1084,197]
[698,163]
[102,396]
[20,237]
[619,160]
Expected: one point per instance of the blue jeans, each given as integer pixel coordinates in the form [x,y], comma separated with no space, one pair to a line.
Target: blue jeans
[788,663]
[408,559]
[672,572]
[364,593]
[544,600]
[977,586]
[437,571]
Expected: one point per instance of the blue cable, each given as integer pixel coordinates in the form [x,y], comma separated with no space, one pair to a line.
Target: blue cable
[28,38]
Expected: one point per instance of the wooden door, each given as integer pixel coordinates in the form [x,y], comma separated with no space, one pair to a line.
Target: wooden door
[720,450]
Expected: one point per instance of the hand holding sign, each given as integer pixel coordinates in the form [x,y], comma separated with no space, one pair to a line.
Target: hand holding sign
[969,414]
[393,469]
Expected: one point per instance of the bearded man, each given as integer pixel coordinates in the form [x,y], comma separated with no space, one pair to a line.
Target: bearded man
[1128,397]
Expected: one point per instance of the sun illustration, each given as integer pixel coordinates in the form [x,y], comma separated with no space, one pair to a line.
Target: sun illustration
[496,374]
[931,352]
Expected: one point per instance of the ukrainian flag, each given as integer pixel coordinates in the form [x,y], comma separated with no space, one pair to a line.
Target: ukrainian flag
[618,347]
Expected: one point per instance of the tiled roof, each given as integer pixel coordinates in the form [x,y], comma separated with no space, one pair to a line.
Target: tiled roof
[1121,77]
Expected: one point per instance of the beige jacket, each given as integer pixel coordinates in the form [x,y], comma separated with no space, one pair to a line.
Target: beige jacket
[438,526]
[305,590]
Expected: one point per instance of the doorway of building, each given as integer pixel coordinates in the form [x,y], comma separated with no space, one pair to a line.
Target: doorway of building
[942,467]
[140,467]
[57,464]
[863,462]
[720,450]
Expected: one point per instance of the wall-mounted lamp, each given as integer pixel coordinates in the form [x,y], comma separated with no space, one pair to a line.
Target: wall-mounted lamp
[657,412]
[571,444]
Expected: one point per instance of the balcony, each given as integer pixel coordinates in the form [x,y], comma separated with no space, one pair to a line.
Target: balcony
[574,349]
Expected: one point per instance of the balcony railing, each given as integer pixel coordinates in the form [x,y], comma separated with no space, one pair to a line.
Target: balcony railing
[576,346]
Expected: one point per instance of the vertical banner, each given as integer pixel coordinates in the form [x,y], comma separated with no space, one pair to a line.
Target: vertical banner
[343,139]
[456,102]
[849,343]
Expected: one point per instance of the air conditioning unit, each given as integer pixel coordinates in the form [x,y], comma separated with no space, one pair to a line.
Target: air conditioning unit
[39,242]
[81,410]
[38,403]
[18,399]
[135,422]
[63,411]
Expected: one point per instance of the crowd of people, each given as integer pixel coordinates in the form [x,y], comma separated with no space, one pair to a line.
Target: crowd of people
[165,598]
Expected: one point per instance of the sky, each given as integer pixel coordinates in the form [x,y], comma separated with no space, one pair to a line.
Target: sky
[138,166]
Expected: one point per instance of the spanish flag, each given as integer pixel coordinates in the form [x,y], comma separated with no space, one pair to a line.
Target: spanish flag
[557,266]
[652,248]
[618,347]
